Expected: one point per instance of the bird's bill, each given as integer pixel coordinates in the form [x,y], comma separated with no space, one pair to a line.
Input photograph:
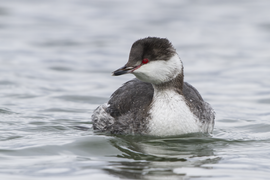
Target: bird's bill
[123,70]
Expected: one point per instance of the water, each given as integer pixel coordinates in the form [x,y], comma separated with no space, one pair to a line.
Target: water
[56,59]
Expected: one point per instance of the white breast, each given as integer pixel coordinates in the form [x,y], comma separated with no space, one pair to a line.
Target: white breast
[169,115]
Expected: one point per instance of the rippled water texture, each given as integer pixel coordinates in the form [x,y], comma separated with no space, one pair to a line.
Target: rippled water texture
[56,59]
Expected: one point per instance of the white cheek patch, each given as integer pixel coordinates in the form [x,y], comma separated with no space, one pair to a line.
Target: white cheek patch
[159,71]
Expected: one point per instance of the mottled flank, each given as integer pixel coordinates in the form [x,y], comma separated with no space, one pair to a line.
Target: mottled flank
[101,119]
[202,110]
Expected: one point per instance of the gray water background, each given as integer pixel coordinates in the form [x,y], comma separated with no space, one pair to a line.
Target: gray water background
[56,59]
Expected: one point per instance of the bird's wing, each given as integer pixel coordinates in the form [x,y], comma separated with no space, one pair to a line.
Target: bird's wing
[133,96]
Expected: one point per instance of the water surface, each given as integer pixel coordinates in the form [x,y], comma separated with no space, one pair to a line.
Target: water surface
[56,59]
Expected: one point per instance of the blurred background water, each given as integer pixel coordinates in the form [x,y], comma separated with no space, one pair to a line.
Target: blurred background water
[56,59]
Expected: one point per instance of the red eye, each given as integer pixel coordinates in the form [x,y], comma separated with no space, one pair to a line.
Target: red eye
[145,61]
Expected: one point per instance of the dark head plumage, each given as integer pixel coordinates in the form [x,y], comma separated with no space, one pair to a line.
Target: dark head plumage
[152,48]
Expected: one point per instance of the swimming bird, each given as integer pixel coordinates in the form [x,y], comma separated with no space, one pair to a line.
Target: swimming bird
[157,102]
